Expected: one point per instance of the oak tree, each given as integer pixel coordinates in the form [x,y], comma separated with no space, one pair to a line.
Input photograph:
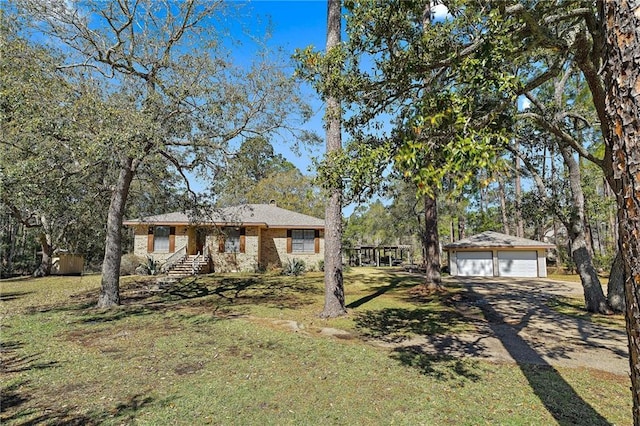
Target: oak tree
[177,97]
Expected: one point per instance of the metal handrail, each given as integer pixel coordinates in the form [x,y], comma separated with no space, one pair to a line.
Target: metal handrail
[175,258]
[195,266]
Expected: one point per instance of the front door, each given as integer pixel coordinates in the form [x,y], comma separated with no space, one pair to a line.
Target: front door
[201,239]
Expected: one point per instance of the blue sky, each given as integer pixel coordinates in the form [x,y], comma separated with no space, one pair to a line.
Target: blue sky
[295,25]
[298,24]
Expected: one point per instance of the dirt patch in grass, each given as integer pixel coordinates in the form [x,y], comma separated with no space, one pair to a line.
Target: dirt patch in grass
[606,376]
[188,368]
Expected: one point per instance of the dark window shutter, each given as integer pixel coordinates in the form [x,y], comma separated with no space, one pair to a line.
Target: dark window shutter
[316,241]
[242,240]
[221,243]
[150,240]
[289,243]
[172,239]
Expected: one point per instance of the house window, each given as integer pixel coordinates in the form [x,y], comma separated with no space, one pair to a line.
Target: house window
[303,240]
[161,238]
[233,240]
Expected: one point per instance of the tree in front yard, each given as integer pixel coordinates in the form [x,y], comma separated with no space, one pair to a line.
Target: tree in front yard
[621,23]
[48,183]
[176,96]
[334,304]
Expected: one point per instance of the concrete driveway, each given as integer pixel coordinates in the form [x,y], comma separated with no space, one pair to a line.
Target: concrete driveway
[514,323]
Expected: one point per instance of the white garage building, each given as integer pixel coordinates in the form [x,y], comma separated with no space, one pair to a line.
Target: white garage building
[492,254]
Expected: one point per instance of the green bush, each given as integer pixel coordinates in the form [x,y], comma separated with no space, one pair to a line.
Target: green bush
[152,266]
[129,263]
[603,261]
[294,267]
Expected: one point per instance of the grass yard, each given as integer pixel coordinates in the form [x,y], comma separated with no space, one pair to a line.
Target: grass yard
[250,349]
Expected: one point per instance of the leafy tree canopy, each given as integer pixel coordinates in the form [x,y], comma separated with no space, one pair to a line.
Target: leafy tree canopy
[167,94]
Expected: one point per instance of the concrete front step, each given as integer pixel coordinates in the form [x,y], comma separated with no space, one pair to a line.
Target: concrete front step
[185,267]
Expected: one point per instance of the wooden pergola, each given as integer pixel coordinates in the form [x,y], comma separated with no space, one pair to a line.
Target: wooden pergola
[379,255]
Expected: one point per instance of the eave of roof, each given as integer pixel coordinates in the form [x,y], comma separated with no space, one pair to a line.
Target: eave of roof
[492,239]
[261,215]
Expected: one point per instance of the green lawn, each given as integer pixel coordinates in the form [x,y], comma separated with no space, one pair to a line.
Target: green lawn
[250,349]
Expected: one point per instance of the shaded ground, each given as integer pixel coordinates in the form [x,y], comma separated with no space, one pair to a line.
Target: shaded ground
[514,323]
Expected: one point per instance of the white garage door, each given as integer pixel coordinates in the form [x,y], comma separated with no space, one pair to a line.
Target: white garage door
[518,263]
[474,263]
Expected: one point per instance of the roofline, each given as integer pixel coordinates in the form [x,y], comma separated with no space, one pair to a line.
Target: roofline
[296,227]
[399,246]
[141,222]
[257,224]
[481,248]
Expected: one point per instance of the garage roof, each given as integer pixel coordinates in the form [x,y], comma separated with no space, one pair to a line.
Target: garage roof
[491,239]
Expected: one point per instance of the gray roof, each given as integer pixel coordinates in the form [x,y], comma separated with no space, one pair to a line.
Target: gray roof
[268,215]
[490,239]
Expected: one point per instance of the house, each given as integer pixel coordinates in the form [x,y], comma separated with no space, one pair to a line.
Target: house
[243,238]
[492,254]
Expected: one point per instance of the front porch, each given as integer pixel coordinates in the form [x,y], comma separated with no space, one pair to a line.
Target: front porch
[182,264]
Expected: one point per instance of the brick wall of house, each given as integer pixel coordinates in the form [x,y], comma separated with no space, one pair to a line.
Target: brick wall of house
[274,250]
[235,262]
[141,235]
[272,253]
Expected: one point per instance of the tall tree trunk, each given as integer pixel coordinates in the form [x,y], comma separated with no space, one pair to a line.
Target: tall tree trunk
[588,232]
[461,226]
[431,241]
[503,206]
[518,193]
[110,292]
[594,298]
[46,247]
[615,232]
[452,230]
[333,281]
[621,20]
[14,230]
[433,280]
[553,195]
[615,288]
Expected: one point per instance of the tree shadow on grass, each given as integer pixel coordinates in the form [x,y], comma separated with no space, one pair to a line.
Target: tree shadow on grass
[5,297]
[438,366]
[20,403]
[15,362]
[42,413]
[130,406]
[557,395]
[216,295]
[395,325]
[11,397]
[408,331]
[231,291]
[15,396]
[396,282]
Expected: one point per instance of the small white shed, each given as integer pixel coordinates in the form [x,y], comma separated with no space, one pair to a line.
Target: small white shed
[492,254]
